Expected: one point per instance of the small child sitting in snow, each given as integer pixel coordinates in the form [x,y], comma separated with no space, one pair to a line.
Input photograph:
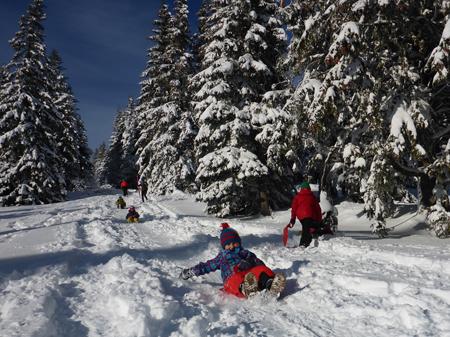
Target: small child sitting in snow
[242,272]
[132,215]
[120,203]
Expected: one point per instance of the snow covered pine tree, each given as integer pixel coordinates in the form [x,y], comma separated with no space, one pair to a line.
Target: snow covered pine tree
[72,144]
[166,128]
[128,168]
[242,41]
[114,154]
[31,170]
[99,164]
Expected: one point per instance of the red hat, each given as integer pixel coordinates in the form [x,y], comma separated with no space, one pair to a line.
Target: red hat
[228,235]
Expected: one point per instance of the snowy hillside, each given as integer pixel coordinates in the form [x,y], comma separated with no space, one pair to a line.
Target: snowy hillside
[76,269]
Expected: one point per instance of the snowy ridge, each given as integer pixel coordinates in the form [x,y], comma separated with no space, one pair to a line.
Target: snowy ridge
[78,269]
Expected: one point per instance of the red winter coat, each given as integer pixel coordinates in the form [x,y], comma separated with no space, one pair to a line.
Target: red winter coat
[123,184]
[305,205]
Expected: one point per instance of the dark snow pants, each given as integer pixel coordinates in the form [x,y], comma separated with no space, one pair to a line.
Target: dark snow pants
[144,195]
[310,228]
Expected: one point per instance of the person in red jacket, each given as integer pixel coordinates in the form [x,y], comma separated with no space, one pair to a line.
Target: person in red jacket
[124,187]
[306,208]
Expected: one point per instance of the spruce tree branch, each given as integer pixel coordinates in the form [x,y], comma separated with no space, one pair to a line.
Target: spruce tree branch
[440,89]
[408,171]
[442,133]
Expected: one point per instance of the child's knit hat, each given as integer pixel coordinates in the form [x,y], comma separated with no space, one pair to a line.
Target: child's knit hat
[228,235]
[303,185]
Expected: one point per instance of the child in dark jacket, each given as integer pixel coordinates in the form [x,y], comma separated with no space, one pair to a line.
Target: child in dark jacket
[132,215]
[120,203]
[243,274]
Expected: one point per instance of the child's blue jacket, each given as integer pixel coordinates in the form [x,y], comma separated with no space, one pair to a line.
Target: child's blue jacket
[226,261]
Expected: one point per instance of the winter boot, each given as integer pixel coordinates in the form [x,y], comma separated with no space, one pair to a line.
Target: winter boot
[250,285]
[316,240]
[278,284]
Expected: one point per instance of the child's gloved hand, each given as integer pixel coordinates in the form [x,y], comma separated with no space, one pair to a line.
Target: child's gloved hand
[186,274]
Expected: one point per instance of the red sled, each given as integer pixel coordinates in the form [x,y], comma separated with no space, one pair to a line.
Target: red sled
[233,284]
[285,235]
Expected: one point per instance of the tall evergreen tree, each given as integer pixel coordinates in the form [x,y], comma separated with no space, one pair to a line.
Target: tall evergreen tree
[31,170]
[184,129]
[437,65]
[120,159]
[181,56]
[166,127]
[3,75]
[203,13]
[99,161]
[114,154]
[154,84]
[242,41]
[72,140]
[154,89]
[274,127]
[3,82]
[128,168]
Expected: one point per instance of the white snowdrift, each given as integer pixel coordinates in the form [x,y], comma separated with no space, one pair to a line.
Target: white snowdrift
[76,269]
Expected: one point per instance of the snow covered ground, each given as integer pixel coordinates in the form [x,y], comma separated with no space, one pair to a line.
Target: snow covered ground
[77,269]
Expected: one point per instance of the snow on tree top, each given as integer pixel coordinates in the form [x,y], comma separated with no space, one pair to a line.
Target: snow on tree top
[348,29]
[246,163]
[360,5]
[401,118]
[225,66]
[222,33]
[383,3]
[437,60]
[347,36]
[419,148]
[349,151]
[360,162]
[257,28]
[310,84]
[446,32]
[309,22]
[330,95]
[247,62]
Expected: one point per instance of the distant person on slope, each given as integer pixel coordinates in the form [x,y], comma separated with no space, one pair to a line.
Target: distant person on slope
[144,189]
[243,274]
[133,215]
[306,208]
[120,203]
[124,187]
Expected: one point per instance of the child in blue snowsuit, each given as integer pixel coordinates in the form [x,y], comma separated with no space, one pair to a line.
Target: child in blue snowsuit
[242,272]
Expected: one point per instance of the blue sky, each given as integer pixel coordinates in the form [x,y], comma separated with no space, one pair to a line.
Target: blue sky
[103,44]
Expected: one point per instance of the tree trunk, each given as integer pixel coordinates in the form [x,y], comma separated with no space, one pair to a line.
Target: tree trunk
[325,184]
[426,185]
